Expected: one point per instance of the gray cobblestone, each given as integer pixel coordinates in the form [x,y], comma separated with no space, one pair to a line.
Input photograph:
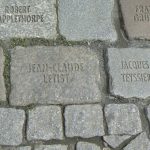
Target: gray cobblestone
[87,146]
[148,112]
[17,148]
[115,140]
[123,119]
[78,79]
[2,85]
[87,20]
[11,126]
[51,147]
[84,121]
[45,123]
[141,142]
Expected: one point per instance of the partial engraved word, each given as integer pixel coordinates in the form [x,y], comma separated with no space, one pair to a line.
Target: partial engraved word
[20,14]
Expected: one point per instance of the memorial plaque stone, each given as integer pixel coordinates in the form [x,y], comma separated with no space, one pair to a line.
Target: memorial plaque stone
[130,72]
[54,75]
[28,19]
[136,14]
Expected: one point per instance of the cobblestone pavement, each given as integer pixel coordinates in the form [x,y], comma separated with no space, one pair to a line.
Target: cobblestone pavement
[74,75]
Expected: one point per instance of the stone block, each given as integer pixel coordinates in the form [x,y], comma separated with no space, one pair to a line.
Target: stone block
[86,20]
[136,15]
[28,19]
[123,119]
[141,142]
[45,123]
[51,147]
[129,72]
[16,148]
[84,120]
[87,146]
[115,140]
[54,75]
[11,126]
[2,84]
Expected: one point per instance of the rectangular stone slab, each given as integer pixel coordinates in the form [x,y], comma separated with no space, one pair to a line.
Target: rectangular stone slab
[28,19]
[54,75]
[136,15]
[129,71]
[86,20]
[2,84]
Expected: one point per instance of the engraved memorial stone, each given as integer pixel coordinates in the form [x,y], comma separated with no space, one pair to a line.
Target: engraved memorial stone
[28,19]
[136,14]
[130,72]
[2,85]
[54,75]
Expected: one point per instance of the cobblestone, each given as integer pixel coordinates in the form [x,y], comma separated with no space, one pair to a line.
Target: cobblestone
[140,142]
[115,140]
[123,119]
[2,85]
[11,126]
[86,20]
[16,148]
[84,121]
[51,147]
[74,75]
[87,146]
[45,123]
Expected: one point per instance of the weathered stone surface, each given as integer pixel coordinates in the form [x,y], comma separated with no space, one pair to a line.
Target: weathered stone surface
[141,142]
[123,119]
[86,20]
[84,121]
[51,147]
[54,75]
[136,14]
[24,148]
[115,140]
[2,85]
[148,113]
[28,19]
[130,72]
[11,125]
[16,148]
[87,146]
[45,123]
[106,148]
